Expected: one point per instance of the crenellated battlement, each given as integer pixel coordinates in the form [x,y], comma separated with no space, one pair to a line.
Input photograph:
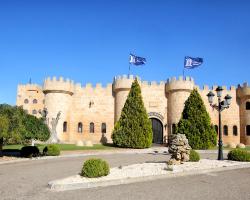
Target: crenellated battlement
[123,82]
[206,88]
[60,85]
[30,87]
[182,83]
[243,90]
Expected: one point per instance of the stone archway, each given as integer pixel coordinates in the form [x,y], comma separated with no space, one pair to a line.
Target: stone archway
[157,130]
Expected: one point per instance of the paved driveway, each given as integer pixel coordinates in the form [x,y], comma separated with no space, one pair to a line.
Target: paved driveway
[28,180]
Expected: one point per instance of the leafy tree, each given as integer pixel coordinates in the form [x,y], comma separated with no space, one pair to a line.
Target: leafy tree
[4,126]
[22,126]
[134,128]
[196,123]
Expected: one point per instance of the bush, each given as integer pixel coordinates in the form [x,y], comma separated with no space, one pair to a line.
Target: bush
[194,156]
[133,129]
[51,150]
[239,155]
[94,167]
[29,151]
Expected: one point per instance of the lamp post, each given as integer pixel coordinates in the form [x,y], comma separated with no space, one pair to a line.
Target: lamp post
[220,107]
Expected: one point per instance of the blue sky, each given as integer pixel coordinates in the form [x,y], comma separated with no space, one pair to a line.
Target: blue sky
[89,41]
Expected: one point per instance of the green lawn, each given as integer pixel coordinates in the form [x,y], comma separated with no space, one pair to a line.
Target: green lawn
[65,147]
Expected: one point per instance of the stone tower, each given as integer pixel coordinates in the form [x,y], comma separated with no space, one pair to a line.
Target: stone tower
[58,98]
[243,95]
[121,87]
[177,92]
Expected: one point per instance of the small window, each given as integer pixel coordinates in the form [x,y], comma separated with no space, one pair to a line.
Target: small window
[216,129]
[79,129]
[173,128]
[26,101]
[248,105]
[91,127]
[248,130]
[235,131]
[103,127]
[34,101]
[43,101]
[34,112]
[64,126]
[225,130]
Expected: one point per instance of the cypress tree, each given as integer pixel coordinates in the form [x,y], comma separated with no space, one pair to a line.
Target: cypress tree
[196,123]
[133,129]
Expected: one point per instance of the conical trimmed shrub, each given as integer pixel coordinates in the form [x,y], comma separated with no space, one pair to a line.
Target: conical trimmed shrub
[196,123]
[134,129]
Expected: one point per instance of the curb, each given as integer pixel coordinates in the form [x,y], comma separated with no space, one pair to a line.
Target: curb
[84,155]
[75,186]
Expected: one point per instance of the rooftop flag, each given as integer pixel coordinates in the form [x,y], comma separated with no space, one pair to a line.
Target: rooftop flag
[190,63]
[136,60]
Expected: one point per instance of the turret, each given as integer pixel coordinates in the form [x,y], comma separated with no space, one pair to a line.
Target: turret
[177,92]
[243,94]
[121,87]
[58,98]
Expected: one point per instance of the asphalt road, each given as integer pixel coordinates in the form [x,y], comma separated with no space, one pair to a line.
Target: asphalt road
[28,180]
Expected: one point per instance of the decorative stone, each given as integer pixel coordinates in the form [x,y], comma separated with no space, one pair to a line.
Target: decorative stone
[231,145]
[79,143]
[241,146]
[88,143]
[179,149]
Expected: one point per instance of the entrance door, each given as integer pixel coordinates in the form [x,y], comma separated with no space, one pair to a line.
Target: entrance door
[157,131]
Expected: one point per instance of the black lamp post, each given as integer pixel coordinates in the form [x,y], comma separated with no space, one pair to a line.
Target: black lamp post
[220,107]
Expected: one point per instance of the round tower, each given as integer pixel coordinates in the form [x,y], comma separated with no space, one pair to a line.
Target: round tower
[243,95]
[58,97]
[177,92]
[121,87]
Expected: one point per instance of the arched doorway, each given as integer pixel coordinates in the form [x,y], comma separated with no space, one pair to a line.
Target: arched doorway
[157,131]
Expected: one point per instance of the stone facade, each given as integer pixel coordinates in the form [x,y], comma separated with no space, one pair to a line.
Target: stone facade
[88,113]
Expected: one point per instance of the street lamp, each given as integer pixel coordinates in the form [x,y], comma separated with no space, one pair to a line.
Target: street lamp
[220,107]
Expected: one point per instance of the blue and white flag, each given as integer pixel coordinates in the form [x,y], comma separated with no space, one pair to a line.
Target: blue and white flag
[136,60]
[191,63]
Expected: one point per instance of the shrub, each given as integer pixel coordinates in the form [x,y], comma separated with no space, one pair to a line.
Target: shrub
[239,155]
[194,156]
[195,123]
[29,151]
[51,150]
[94,167]
[133,129]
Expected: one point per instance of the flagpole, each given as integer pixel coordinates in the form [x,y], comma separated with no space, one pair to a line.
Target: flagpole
[183,71]
[129,68]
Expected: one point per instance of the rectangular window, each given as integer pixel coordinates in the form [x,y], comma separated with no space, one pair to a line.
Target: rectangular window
[248,130]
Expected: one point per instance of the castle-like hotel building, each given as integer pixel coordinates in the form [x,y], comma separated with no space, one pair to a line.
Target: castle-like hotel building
[89,113]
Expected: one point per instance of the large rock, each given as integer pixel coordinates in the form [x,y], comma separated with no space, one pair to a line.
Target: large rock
[241,146]
[88,143]
[179,149]
[79,143]
[231,145]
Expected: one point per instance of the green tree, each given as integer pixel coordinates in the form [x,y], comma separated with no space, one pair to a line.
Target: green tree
[4,126]
[196,123]
[22,126]
[134,128]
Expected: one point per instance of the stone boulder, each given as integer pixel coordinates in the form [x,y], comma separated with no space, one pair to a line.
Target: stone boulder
[231,145]
[79,143]
[241,146]
[179,149]
[88,143]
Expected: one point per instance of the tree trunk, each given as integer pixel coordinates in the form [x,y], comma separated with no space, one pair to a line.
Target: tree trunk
[1,147]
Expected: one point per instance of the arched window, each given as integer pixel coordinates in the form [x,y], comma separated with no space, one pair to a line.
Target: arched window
[26,101]
[103,128]
[173,128]
[248,105]
[34,101]
[235,131]
[64,126]
[79,128]
[216,128]
[225,130]
[91,127]
[34,112]
[248,130]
